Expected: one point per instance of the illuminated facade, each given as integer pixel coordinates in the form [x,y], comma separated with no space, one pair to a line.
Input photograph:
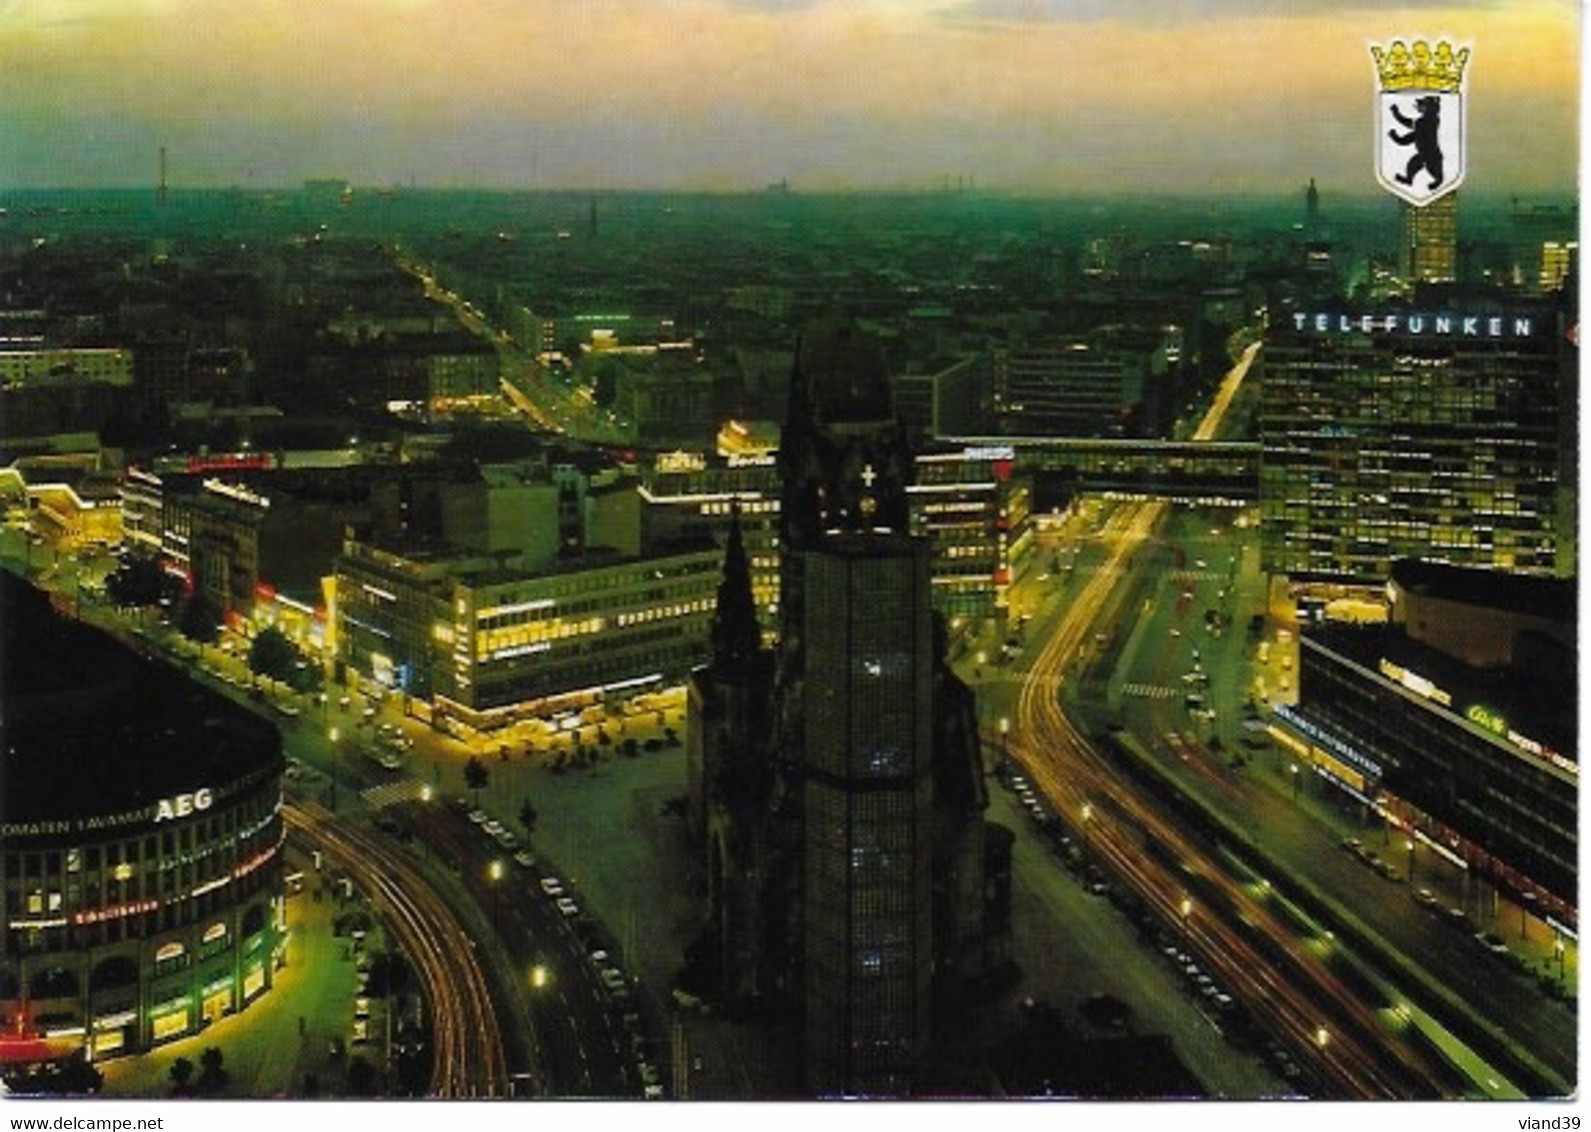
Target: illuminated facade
[1430,241]
[1456,723]
[976,515]
[967,501]
[142,865]
[109,366]
[516,644]
[487,640]
[693,498]
[1415,434]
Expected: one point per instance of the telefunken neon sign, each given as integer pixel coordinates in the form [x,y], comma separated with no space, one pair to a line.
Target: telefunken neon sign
[1416,325]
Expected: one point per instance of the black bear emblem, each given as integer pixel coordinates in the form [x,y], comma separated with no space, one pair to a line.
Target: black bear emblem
[1421,133]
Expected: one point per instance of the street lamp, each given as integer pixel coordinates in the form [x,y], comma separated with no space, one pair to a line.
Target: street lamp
[1410,845]
[1322,1036]
[495,872]
[1559,948]
[1295,782]
[1186,908]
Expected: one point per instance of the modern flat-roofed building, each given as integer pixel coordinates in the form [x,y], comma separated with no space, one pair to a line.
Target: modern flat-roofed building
[518,643]
[943,400]
[1401,432]
[1430,241]
[967,501]
[1065,388]
[487,640]
[104,365]
[142,844]
[1455,721]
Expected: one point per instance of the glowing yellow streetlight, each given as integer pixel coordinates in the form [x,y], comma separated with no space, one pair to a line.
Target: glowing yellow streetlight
[538,976]
[495,871]
[1322,1036]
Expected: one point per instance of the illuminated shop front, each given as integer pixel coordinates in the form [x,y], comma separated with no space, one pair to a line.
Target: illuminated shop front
[142,839]
[1477,764]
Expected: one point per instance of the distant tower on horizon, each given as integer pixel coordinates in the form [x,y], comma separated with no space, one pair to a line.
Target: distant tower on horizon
[1430,241]
[160,194]
[1312,204]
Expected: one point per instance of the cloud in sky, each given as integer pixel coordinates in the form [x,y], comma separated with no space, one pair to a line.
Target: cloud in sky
[732,93]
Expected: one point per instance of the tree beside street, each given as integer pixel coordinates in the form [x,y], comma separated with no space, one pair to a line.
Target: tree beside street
[273,655]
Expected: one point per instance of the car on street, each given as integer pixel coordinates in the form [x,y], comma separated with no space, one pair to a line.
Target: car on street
[477,816]
[1425,897]
[525,860]
[551,886]
[566,906]
[1492,942]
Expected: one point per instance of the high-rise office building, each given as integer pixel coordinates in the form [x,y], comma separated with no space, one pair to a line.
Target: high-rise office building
[1542,245]
[1430,241]
[1398,432]
[866,793]
[836,783]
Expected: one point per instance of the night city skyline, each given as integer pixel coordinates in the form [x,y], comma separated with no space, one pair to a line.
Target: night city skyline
[785,550]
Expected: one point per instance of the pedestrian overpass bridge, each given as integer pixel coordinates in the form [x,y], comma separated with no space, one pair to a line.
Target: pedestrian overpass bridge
[1218,472]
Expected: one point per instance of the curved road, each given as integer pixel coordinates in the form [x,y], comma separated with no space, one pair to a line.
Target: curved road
[467,1045]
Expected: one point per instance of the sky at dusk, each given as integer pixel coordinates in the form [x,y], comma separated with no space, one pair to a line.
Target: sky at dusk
[1181,96]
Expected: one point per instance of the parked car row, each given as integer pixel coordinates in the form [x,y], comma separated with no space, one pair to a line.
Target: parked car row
[1371,859]
[496,831]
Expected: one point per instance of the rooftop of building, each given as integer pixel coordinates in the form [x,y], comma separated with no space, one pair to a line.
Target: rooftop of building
[477,568]
[1550,598]
[1535,696]
[482,573]
[91,727]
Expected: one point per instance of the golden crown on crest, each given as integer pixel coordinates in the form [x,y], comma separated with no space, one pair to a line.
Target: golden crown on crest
[1420,67]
